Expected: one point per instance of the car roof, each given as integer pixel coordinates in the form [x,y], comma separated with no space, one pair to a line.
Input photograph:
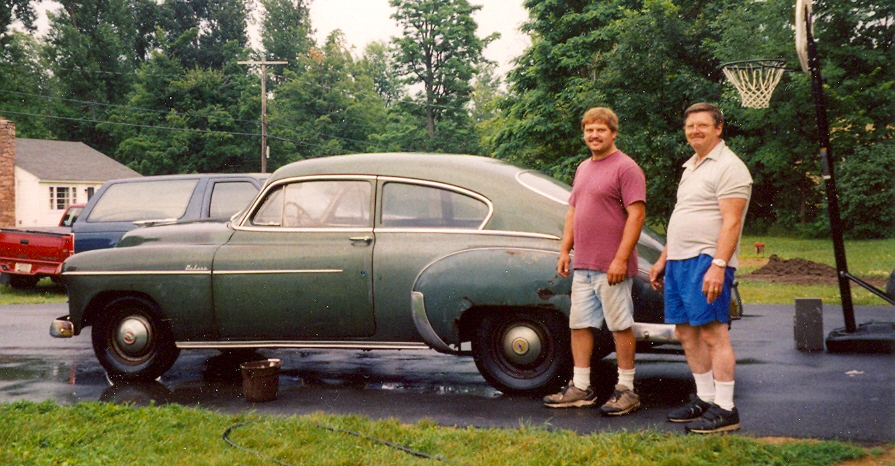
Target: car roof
[470,171]
[258,176]
[516,207]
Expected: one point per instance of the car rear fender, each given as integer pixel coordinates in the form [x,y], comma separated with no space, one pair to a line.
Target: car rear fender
[484,280]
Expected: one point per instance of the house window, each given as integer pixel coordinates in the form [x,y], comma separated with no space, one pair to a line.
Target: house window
[61,197]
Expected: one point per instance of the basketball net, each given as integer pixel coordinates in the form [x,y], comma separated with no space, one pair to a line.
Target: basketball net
[755,80]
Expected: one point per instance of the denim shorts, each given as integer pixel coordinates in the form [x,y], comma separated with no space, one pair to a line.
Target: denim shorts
[594,300]
[685,302]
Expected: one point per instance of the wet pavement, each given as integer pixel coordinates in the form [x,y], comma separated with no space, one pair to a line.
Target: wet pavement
[780,391]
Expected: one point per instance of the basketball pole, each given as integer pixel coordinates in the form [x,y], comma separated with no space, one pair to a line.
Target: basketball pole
[826,161]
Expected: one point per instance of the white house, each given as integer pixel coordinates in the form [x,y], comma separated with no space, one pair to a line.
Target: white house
[50,175]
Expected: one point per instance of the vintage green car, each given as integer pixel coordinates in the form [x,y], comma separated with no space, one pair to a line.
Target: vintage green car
[370,251]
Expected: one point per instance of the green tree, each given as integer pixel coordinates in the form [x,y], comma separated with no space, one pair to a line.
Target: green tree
[285,29]
[23,85]
[378,62]
[440,52]
[330,108]
[188,120]
[90,46]
[15,10]
[867,189]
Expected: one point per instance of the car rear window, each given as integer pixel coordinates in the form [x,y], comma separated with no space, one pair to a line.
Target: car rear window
[417,206]
[545,186]
[229,197]
[143,200]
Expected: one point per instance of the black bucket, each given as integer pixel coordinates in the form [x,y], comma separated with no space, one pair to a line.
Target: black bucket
[261,379]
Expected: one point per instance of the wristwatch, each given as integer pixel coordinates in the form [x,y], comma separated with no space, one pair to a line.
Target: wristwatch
[719,262]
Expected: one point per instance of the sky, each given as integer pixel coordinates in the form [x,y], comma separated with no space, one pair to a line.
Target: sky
[366,21]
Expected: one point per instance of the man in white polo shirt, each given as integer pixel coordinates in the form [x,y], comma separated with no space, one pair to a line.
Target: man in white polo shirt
[698,265]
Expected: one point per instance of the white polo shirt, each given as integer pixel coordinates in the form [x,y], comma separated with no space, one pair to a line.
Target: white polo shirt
[695,224]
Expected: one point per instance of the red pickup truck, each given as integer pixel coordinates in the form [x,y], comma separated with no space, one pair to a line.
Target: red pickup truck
[27,255]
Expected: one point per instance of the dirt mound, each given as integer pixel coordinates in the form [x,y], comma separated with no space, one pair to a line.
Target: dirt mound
[798,271]
[778,267]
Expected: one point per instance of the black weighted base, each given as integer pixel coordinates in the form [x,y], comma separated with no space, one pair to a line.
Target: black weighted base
[870,337]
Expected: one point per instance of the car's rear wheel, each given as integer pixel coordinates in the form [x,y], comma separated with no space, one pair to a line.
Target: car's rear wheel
[131,341]
[523,352]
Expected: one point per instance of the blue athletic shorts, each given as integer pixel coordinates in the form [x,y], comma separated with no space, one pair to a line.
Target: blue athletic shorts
[684,301]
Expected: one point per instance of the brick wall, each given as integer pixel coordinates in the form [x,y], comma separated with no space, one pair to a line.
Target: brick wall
[7,173]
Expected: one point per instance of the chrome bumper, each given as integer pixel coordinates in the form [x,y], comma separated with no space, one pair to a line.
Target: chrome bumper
[654,332]
[62,328]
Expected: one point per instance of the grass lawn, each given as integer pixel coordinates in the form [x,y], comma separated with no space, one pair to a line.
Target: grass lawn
[866,258]
[105,434]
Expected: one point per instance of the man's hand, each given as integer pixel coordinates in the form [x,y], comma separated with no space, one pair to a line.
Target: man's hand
[562,266]
[618,271]
[712,283]
[657,275]
[657,271]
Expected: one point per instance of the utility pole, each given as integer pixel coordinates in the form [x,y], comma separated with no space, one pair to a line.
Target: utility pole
[263,64]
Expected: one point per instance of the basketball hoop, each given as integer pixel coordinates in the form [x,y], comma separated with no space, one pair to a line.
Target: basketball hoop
[803,20]
[755,80]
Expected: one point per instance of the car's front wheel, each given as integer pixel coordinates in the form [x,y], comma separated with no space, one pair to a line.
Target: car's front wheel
[131,342]
[522,351]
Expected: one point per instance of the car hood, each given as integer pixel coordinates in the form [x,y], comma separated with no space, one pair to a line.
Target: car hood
[198,232]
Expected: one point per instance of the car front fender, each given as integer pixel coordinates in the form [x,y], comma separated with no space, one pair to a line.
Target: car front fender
[486,278]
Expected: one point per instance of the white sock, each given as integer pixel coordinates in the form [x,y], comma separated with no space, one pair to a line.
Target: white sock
[705,387]
[581,377]
[626,378]
[724,395]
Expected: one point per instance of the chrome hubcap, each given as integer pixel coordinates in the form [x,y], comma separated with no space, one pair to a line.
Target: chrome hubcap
[133,335]
[521,345]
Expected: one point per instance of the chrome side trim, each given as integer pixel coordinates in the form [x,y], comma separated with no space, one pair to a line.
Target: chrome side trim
[454,231]
[421,321]
[362,345]
[139,272]
[280,229]
[272,272]
[202,272]
[654,332]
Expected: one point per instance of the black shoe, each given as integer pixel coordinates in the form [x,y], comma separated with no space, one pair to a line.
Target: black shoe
[690,411]
[715,420]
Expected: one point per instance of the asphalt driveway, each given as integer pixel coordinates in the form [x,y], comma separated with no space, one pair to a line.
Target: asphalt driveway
[780,391]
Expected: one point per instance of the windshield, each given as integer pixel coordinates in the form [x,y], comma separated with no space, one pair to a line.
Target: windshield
[144,200]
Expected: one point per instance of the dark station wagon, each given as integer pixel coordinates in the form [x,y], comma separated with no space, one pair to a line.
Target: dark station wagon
[371,251]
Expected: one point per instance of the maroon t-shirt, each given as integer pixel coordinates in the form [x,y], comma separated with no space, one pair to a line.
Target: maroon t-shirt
[601,191]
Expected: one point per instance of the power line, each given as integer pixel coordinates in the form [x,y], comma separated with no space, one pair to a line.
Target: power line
[100,104]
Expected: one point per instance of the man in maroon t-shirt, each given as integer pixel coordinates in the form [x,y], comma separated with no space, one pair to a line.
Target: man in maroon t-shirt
[606,213]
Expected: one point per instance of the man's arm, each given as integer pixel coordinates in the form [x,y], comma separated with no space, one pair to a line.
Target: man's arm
[618,269]
[731,224]
[568,240]
[657,271]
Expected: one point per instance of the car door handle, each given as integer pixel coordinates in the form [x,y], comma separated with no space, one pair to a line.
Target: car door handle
[366,240]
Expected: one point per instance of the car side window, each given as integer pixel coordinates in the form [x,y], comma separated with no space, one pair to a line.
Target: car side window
[419,206]
[317,204]
[229,197]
